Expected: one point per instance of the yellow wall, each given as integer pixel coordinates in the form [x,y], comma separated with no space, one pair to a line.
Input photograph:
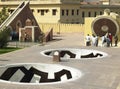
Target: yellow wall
[88,22]
[60,5]
[62,28]
[88,29]
[47,17]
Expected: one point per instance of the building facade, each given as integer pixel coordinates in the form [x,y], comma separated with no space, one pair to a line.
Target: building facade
[63,11]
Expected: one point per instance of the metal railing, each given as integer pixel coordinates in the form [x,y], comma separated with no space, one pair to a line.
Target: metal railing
[18,44]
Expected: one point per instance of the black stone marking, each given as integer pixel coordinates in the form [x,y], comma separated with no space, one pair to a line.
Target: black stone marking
[44,75]
[8,73]
[62,54]
[59,74]
[28,76]
[91,55]
[47,53]
[72,55]
[30,73]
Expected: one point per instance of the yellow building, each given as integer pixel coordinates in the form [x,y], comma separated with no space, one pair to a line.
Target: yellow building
[49,13]
[63,11]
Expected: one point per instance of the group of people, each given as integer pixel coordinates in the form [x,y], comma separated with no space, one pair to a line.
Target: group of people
[106,40]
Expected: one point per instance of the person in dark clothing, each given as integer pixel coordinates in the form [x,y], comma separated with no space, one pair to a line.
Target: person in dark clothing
[108,41]
[116,40]
[96,41]
[110,37]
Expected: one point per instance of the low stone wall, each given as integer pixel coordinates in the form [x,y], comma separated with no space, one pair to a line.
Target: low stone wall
[61,28]
[48,36]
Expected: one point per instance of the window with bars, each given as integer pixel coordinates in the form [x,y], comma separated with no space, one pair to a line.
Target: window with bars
[42,12]
[95,14]
[89,14]
[101,12]
[54,11]
[77,11]
[63,12]
[72,12]
[67,12]
[83,14]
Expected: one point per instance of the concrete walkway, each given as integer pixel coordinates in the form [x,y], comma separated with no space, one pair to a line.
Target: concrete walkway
[101,73]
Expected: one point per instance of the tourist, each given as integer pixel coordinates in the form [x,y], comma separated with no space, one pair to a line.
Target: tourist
[88,40]
[93,40]
[25,37]
[96,41]
[103,40]
[116,40]
[108,41]
[110,37]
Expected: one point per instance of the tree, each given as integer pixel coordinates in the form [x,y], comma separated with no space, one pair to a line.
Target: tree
[4,33]
[4,37]
[3,14]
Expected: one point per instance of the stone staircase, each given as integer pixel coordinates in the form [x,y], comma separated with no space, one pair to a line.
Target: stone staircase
[13,15]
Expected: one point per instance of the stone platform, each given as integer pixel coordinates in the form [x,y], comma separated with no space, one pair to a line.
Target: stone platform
[103,73]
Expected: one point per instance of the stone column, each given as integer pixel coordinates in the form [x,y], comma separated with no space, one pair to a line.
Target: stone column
[33,34]
[20,34]
[56,56]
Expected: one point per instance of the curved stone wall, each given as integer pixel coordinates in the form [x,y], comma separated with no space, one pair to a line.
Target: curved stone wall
[105,24]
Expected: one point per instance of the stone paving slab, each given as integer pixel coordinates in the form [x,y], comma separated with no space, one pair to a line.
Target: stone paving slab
[101,73]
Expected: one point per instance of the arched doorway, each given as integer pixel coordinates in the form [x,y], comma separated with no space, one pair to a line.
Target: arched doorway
[33,22]
[15,32]
[11,30]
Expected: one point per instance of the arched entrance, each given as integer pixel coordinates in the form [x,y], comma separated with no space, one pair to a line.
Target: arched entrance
[33,22]
[11,29]
[15,32]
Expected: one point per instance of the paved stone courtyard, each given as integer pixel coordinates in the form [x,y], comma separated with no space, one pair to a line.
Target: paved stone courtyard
[103,73]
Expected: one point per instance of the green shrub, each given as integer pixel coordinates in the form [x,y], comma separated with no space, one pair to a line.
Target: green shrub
[4,37]
[4,33]
[4,14]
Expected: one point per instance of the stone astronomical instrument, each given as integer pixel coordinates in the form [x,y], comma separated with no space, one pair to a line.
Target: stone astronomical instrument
[107,23]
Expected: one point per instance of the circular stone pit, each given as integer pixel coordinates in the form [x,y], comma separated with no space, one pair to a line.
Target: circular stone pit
[72,53]
[37,73]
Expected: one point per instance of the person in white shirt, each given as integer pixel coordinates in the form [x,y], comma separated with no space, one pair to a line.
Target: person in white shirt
[93,40]
[103,40]
[96,41]
[88,40]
